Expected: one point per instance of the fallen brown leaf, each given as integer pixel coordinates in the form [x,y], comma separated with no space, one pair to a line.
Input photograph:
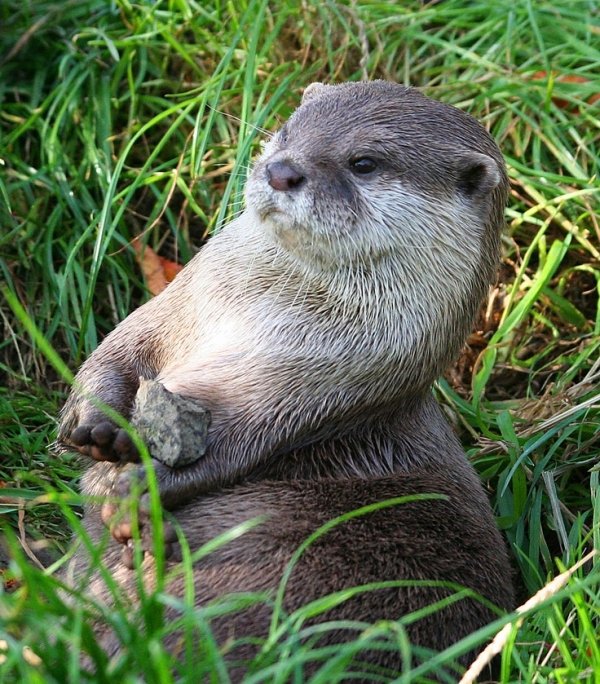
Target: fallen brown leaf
[565,78]
[158,272]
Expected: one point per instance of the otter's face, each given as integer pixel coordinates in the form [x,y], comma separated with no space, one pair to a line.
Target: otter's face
[366,170]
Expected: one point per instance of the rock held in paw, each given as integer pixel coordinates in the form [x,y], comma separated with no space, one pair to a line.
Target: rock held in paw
[173,427]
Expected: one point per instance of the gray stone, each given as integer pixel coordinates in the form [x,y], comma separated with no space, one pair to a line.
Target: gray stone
[173,427]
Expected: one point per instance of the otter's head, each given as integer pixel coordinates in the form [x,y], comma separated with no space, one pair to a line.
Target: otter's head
[376,185]
[363,171]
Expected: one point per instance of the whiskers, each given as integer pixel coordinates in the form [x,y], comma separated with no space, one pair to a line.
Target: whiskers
[249,124]
[281,284]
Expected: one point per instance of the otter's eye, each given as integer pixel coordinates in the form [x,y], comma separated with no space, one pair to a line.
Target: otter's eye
[283,136]
[363,165]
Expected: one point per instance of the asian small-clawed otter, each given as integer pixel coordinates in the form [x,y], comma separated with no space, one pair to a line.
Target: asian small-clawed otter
[312,328]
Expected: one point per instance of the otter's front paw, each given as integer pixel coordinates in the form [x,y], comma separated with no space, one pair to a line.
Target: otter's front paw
[104,441]
[117,516]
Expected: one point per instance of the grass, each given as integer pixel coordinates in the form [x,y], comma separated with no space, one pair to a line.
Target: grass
[121,119]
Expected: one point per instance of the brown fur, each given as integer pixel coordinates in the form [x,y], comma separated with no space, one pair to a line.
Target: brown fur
[312,328]
[451,541]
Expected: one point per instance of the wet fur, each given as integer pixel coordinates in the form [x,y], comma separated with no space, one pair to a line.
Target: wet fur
[312,328]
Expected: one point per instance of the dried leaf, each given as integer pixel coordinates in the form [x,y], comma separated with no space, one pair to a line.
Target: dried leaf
[158,272]
[565,78]
[170,268]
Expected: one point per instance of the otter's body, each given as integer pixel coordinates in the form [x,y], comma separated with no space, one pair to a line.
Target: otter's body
[445,544]
[312,328]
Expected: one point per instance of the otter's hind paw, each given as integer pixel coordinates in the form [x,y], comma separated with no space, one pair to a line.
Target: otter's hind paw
[117,517]
[104,441]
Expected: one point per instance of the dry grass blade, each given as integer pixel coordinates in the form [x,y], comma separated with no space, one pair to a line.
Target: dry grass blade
[501,639]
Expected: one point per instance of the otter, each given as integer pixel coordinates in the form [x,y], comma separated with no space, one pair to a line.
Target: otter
[312,328]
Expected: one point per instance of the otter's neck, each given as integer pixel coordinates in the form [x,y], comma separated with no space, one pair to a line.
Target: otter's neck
[396,442]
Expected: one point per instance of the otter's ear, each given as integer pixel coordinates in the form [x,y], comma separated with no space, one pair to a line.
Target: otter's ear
[478,174]
[313,90]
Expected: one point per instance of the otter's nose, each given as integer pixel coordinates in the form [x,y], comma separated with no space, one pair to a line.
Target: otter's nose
[283,176]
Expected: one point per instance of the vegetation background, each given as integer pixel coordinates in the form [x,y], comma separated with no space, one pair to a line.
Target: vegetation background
[121,120]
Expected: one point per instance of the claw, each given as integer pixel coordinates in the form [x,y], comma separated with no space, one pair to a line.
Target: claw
[127,555]
[107,513]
